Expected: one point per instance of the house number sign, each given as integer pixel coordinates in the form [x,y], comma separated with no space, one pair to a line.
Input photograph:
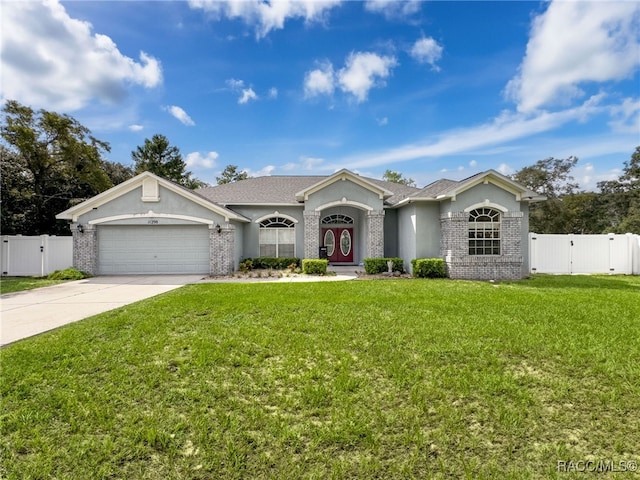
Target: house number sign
[153,221]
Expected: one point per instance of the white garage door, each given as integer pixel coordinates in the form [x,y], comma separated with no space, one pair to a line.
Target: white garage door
[153,249]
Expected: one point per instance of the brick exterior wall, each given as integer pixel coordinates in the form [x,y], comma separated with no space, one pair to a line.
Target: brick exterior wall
[375,234]
[85,248]
[221,247]
[311,234]
[454,248]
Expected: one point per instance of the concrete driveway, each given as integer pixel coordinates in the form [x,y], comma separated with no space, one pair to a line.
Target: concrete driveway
[28,313]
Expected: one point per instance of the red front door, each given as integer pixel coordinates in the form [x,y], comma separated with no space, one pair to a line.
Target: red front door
[339,243]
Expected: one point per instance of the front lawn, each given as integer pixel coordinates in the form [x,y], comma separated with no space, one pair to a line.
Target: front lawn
[17,284]
[366,379]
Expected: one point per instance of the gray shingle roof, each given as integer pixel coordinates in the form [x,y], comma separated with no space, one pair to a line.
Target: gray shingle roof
[279,190]
[282,189]
[436,188]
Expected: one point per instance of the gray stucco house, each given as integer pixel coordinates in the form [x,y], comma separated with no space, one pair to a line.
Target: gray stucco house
[150,225]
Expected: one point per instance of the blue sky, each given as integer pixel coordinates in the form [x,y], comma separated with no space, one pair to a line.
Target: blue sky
[436,89]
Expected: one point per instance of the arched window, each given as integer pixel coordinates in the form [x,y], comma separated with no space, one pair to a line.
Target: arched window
[337,218]
[277,237]
[484,231]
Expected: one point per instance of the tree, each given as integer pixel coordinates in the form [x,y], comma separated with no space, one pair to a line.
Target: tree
[551,178]
[117,172]
[584,213]
[396,177]
[621,197]
[231,174]
[159,157]
[16,194]
[53,160]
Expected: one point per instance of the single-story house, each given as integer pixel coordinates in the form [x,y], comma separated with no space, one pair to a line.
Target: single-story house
[149,225]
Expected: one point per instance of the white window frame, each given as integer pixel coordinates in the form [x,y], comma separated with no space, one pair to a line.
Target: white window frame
[485,235]
[276,224]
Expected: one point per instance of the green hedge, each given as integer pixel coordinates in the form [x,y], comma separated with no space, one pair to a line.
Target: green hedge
[276,263]
[312,266]
[428,268]
[373,266]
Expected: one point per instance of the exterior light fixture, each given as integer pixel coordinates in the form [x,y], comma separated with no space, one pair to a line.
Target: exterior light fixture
[81,228]
[218,228]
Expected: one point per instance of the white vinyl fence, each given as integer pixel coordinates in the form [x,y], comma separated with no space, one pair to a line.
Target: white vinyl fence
[35,256]
[561,254]
[575,254]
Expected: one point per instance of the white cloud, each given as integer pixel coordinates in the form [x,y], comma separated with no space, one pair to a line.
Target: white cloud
[263,172]
[506,127]
[362,72]
[53,61]
[267,16]
[392,9]
[427,50]
[320,81]
[473,163]
[181,115]
[247,95]
[303,163]
[505,169]
[572,43]
[235,84]
[196,159]
[136,128]
[273,93]
[309,163]
[626,117]
[383,121]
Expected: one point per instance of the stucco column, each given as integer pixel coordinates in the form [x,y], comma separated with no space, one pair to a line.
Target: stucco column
[222,249]
[375,233]
[311,234]
[85,248]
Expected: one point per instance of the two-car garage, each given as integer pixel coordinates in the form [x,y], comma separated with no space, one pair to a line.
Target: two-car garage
[148,225]
[153,249]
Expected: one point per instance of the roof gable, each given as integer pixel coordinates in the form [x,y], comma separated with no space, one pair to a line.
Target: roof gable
[150,184]
[342,175]
[449,189]
[491,176]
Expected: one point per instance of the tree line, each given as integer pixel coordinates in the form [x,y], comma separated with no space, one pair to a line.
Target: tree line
[50,162]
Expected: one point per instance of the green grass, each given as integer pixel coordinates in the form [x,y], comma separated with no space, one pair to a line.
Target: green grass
[17,284]
[362,379]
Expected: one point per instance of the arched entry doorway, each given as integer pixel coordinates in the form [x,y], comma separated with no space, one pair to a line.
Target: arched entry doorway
[337,237]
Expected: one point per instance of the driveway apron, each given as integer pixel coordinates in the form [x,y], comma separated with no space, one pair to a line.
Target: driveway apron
[31,312]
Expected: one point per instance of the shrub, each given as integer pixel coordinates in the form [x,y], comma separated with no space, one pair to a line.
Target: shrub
[67,274]
[373,266]
[246,265]
[312,266]
[286,262]
[428,268]
[276,263]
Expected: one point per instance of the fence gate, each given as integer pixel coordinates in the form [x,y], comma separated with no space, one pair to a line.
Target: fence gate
[569,254]
[24,256]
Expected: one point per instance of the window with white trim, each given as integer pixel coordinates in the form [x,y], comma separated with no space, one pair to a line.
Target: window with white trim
[337,218]
[277,237]
[484,231]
